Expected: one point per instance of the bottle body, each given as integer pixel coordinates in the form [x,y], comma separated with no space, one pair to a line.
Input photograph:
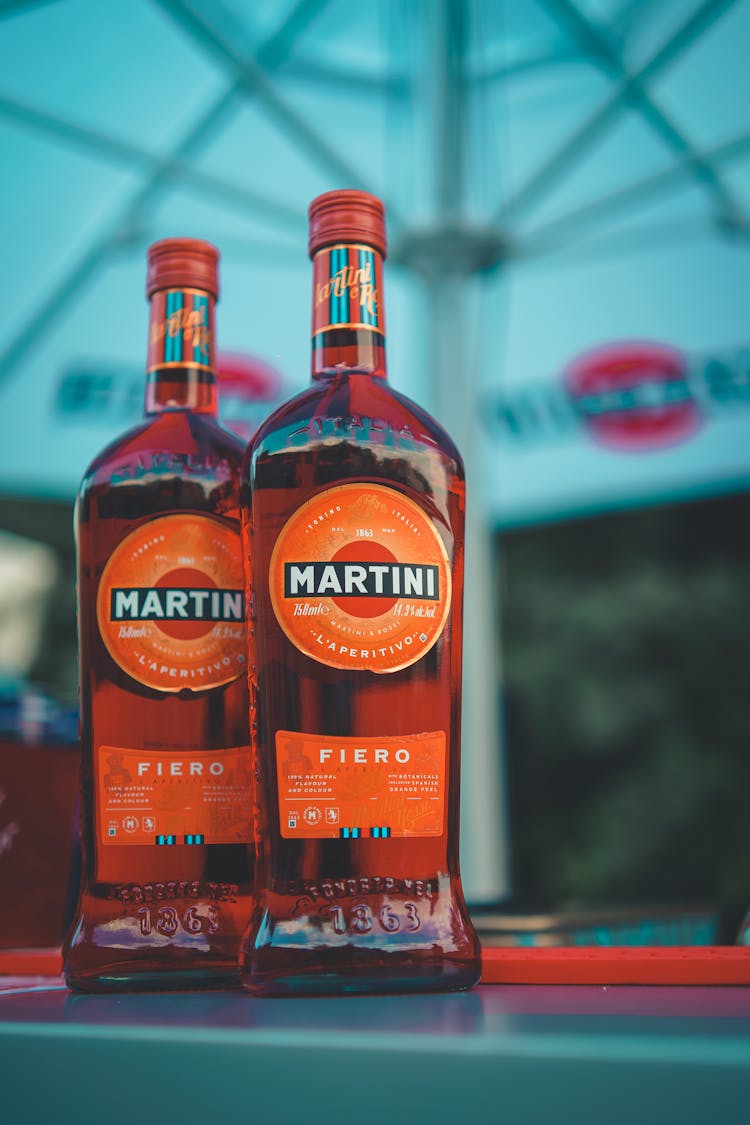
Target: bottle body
[357,742]
[165,915]
[165,811]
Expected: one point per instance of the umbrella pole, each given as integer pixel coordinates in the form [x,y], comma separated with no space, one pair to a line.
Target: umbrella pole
[484,835]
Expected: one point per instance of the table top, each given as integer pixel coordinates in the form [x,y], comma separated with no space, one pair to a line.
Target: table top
[527,1053]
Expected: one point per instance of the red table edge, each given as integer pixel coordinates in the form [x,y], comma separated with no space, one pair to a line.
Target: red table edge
[31,962]
[667,965]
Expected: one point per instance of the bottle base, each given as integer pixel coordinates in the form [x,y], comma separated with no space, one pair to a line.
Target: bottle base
[316,974]
[126,978]
[87,968]
[106,951]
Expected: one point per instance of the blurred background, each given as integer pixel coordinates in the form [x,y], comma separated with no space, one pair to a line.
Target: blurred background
[567,187]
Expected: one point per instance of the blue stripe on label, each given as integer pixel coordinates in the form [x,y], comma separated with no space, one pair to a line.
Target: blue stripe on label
[200,305]
[168,306]
[345,310]
[362,259]
[360,266]
[173,343]
[178,339]
[332,302]
[335,267]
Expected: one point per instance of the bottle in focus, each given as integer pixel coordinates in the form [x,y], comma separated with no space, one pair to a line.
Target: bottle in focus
[165,821]
[353,516]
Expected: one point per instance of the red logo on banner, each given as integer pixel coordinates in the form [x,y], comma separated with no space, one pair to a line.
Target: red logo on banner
[634,396]
[249,388]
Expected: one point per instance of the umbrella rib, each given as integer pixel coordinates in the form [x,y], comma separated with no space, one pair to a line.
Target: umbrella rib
[252,249]
[17,7]
[587,32]
[116,149]
[634,240]
[628,13]
[607,205]
[274,50]
[546,177]
[61,295]
[253,78]
[52,305]
[354,79]
[449,107]
[526,64]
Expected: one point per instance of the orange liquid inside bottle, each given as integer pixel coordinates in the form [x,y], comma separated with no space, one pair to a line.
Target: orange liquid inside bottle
[165,877]
[353,508]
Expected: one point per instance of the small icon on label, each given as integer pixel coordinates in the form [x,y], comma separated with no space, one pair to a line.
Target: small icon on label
[312,814]
[292,821]
[332,816]
[423,637]
[130,823]
[112,828]
[149,824]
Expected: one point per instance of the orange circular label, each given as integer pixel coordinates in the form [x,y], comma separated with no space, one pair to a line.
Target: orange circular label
[171,605]
[360,579]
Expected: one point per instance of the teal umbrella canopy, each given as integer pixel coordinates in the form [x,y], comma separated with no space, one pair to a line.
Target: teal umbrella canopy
[557,176]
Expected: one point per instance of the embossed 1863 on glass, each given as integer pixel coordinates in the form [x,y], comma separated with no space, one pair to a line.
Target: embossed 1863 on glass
[164,729]
[353,510]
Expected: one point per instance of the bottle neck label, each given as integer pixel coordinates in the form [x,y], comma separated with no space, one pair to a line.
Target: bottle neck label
[360,579]
[181,330]
[348,291]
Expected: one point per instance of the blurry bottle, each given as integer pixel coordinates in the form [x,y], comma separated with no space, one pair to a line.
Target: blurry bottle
[165,879]
[353,510]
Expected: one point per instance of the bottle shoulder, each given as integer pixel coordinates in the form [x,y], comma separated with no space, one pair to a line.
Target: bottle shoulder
[298,406]
[176,462]
[355,408]
[116,448]
[430,428]
[180,434]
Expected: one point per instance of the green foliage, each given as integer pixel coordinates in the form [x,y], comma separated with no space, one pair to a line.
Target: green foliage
[627,659]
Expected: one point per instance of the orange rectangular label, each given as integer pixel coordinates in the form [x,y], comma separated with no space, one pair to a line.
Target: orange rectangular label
[352,788]
[173,797]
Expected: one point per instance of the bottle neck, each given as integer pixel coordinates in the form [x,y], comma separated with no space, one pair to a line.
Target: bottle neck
[348,320]
[180,372]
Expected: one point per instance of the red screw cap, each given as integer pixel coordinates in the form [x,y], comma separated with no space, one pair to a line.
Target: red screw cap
[183,263]
[347,216]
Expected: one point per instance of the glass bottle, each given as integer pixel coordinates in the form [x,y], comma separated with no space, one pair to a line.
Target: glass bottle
[165,821]
[353,515]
